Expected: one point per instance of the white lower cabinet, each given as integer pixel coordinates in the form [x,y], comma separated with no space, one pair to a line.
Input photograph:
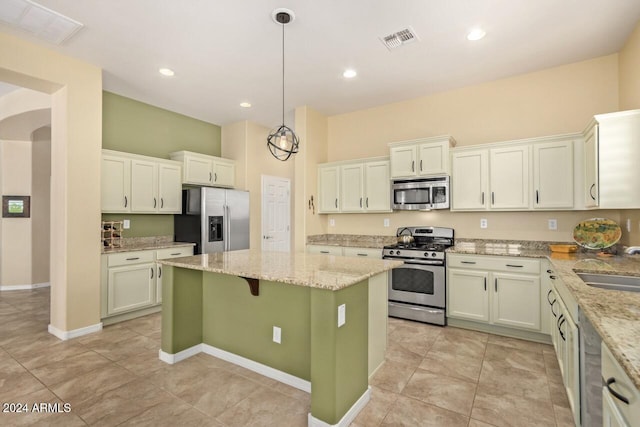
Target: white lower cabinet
[620,397]
[132,281]
[502,291]
[345,251]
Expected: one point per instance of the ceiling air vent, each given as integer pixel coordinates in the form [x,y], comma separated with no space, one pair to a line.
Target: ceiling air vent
[38,20]
[399,38]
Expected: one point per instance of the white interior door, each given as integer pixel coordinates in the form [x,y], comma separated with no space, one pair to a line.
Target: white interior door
[276,214]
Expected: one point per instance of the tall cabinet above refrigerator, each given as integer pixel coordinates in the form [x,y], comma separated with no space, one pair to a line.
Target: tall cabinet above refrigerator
[215,219]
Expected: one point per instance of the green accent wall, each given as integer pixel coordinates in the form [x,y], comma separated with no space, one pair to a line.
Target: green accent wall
[181,309]
[135,127]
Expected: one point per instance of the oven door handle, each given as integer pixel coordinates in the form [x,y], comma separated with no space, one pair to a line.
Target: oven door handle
[416,262]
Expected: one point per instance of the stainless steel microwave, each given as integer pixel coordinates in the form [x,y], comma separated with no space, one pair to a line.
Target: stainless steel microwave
[420,194]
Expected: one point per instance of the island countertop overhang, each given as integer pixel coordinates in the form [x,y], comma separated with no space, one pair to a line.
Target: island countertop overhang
[294,268]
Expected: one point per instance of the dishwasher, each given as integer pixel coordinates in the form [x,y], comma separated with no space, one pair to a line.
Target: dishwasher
[590,374]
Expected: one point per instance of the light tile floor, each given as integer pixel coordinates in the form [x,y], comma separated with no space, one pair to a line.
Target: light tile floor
[432,377]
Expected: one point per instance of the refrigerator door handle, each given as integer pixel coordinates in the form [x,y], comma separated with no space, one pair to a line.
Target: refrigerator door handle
[227,223]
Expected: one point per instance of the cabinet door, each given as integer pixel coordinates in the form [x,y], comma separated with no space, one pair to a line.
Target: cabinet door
[352,188]
[169,188]
[611,416]
[467,294]
[572,364]
[224,174]
[198,170]
[324,249]
[115,184]
[144,186]
[516,300]
[433,158]
[469,170]
[509,177]
[328,189]
[377,187]
[403,161]
[553,175]
[591,168]
[130,288]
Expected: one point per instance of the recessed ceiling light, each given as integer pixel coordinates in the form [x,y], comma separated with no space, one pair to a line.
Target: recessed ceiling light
[476,34]
[349,74]
[245,104]
[166,72]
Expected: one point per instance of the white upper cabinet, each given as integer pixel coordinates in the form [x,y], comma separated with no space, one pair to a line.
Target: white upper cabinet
[553,175]
[354,186]
[590,159]
[140,184]
[509,177]
[201,169]
[115,183]
[469,184]
[615,137]
[420,157]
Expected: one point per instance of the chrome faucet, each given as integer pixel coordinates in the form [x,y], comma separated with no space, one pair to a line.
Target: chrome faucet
[632,250]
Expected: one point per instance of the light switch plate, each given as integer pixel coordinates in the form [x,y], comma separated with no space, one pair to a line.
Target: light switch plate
[342,314]
[484,223]
[277,334]
[553,224]
[386,222]
[332,222]
[126,224]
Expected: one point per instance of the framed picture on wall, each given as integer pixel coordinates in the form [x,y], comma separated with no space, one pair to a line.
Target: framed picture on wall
[16,206]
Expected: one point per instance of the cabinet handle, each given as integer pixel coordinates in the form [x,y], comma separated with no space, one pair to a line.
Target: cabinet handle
[493,198]
[553,312]
[591,191]
[177,253]
[560,328]
[548,300]
[550,271]
[367,202]
[209,176]
[133,259]
[514,265]
[485,284]
[155,202]
[324,252]
[420,165]
[125,201]
[483,197]
[552,277]
[362,254]
[413,165]
[161,202]
[537,197]
[615,393]
[159,271]
[151,272]
[467,262]
[495,284]
[215,177]
[360,201]
[336,202]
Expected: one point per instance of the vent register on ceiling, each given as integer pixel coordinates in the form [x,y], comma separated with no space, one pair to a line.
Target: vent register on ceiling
[38,20]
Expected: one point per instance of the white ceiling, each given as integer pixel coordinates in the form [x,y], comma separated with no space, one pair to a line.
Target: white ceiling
[228,51]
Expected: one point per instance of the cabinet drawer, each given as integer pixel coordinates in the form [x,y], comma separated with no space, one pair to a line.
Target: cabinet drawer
[174,252]
[363,252]
[324,249]
[622,385]
[494,263]
[128,258]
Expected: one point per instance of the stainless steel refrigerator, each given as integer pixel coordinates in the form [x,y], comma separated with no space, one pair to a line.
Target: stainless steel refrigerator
[215,219]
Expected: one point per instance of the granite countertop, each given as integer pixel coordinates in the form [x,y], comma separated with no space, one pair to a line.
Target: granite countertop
[146,243]
[614,314]
[352,240]
[294,268]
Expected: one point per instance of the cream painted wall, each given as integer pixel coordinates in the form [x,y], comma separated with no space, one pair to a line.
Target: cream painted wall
[554,101]
[630,72]
[312,129]
[246,143]
[16,232]
[40,205]
[76,89]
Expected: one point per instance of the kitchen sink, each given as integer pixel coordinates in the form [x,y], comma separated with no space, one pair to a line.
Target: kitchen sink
[610,281]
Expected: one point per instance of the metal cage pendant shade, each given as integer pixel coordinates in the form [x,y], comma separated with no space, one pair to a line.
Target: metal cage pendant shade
[283,142]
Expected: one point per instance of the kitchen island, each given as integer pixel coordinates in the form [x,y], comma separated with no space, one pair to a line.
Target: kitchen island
[328,314]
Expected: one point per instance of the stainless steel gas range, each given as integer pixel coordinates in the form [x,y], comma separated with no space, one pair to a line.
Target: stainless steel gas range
[417,288]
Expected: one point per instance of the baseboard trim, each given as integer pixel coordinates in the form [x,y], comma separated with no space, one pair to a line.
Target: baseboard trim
[500,330]
[24,287]
[259,368]
[181,355]
[348,417]
[67,335]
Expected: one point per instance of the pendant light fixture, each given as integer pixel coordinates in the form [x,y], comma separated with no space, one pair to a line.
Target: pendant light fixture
[282,142]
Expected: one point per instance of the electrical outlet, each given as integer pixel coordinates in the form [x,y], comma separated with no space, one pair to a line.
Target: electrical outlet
[628,225]
[553,224]
[126,224]
[386,222]
[484,223]
[277,335]
[332,222]
[342,314]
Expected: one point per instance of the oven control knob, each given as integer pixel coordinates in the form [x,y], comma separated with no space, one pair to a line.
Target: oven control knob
[426,254]
[433,254]
[397,252]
